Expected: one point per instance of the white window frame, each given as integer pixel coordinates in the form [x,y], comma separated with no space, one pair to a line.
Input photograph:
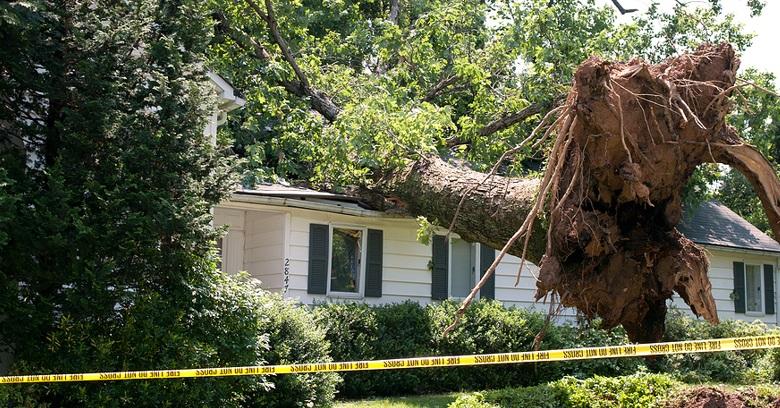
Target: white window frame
[476,272]
[761,296]
[363,254]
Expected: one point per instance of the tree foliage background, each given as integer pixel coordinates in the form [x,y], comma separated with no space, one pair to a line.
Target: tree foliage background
[465,79]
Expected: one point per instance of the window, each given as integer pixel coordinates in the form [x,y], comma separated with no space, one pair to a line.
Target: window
[753,290]
[346,260]
[457,266]
[463,266]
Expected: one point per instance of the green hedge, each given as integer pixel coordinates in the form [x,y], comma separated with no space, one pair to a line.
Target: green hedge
[638,391]
[361,332]
[641,390]
[229,322]
[751,366]
[232,322]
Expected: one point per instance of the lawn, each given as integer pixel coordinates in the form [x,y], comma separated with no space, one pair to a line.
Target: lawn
[422,401]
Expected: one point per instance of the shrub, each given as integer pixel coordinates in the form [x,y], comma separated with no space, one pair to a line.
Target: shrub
[488,327]
[294,337]
[228,322]
[640,390]
[361,332]
[727,366]
[219,327]
[589,334]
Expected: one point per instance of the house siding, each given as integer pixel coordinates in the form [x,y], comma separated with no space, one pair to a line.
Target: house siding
[277,236]
[233,241]
[405,265]
[255,243]
[265,247]
[721,275]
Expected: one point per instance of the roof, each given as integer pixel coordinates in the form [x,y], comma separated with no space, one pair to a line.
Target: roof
[305,194]
[230,98]
[715,224]
[711,224]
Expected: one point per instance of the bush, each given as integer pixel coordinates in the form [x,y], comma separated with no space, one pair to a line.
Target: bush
[219,327]
[488,327]
[727,366]
[639,390]
[362,332]
[589,334]
[294,337]
[229,322]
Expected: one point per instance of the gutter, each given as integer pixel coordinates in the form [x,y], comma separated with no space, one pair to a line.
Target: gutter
[308,205]
[740,250]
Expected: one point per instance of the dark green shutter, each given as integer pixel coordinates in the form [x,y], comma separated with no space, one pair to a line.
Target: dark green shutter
[486,257]
[769,289]
[319,235]
[440,270]
[739,287]
[374,264]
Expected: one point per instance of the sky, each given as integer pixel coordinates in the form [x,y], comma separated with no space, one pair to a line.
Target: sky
[763,54]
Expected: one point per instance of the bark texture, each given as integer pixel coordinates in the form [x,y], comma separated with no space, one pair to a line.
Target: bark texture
[629,137]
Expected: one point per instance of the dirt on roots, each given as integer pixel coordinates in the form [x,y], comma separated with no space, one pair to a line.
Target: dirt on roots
[709,397]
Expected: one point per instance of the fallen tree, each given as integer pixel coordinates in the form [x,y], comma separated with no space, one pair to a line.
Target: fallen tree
[627,139]
[601,221]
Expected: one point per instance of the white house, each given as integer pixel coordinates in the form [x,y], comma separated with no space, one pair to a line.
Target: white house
[322,247]
[743,263]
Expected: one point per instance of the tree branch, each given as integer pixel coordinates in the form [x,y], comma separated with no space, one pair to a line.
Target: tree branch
[515,117]
[318,100]
[395,9]
[439,87]
[242,39]
[621,9]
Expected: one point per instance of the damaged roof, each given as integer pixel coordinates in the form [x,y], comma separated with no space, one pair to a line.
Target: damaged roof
[711,224]
[715,224]
[304,194]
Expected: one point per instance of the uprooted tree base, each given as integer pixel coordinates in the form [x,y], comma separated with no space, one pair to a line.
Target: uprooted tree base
[626,141]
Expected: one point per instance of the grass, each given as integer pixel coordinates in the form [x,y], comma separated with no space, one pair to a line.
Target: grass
[421,401]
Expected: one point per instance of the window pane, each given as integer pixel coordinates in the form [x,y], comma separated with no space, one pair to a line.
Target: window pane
[345,260]
[461,271]
[753,288]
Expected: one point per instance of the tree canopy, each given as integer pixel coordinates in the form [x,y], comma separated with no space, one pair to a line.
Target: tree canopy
[464,79]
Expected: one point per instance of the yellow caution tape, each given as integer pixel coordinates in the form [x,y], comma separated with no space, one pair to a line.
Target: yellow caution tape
[585,353]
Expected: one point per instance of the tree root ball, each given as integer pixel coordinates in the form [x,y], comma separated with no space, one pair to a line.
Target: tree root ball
[632,135]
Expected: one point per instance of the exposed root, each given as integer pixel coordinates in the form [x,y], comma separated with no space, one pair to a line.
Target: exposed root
[613,184]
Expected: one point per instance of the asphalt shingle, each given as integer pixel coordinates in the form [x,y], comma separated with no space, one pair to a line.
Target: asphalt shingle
[715,224]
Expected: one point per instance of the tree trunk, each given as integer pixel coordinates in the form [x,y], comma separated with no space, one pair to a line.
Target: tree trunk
[490,214]
[629,137]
